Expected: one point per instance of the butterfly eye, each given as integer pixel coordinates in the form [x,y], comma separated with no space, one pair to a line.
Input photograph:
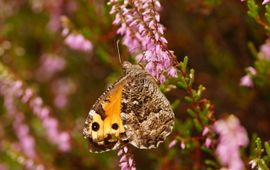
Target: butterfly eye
[115,126]
[95,126]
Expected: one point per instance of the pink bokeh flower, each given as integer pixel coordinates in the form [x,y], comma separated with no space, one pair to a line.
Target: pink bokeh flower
[11,88]
[247,79]
[78,42]
[172,143]
[26,141]
[26,162]
[265,2]
[56,9]
[232,136]
[50,64]
[253,163]
[3,167]
[62,89]
[206,133]
[50,124]
[265,51]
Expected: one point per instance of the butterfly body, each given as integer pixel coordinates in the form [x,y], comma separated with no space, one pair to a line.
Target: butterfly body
[133,110]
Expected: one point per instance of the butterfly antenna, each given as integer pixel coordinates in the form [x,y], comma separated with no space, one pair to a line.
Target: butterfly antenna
[118,51]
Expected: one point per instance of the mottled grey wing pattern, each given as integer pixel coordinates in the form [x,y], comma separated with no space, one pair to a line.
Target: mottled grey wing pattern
[146,113]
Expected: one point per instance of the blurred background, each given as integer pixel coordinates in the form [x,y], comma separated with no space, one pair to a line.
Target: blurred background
[36,47]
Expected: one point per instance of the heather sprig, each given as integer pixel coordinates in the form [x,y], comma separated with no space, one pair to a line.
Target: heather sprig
[255,13]
[11,85]
[17,156]
[232,136]
[201,133]
[195,134]
[126,161]
[50,64]
[77,41]
[21,129]
[73,38]
[143,34]
[62,89]
[258,74]
[260,154]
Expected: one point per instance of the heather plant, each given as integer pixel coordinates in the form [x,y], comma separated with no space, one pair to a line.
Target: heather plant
[211,58]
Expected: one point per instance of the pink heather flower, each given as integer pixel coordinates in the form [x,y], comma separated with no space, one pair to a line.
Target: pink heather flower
[232,137]
[28,163]
[253,163]
[252,71]
[78,42]
[126,161]
[3,167]
[172,143]
[139,24]
[265,51]
[49,123]
[247,79]
[55,9]
[265,2]
[62,89]
[208,142]
[26,141]
[50,64]
[206,130]
[182,145]
[10,88]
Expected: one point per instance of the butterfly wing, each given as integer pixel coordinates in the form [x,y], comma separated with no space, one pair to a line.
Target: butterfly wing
[146,113]
[133,110]
[103,126]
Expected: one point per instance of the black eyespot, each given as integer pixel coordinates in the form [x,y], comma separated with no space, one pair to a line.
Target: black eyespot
[115,126]
[95,126]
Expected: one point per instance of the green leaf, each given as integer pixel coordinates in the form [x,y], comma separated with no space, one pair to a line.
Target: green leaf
[262,165]
[191,77]
[252,9]
[191,113]
[267,12]
[213,3]
[197,125]
[175,104]
[267,148]
[211,163]
[259,148]
[188,99]
[185,62]
[198,94]
[181,83]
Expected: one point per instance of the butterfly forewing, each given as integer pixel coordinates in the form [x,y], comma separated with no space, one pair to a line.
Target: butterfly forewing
[103,126]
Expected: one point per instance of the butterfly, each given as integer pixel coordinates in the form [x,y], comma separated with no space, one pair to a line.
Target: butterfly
[133,110]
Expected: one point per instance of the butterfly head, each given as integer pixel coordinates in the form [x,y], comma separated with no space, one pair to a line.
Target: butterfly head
[131,68]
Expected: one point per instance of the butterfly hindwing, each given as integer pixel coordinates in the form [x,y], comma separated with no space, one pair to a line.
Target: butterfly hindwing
[146,113]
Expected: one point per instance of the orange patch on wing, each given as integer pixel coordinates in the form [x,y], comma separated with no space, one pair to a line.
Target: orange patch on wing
[112,109]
